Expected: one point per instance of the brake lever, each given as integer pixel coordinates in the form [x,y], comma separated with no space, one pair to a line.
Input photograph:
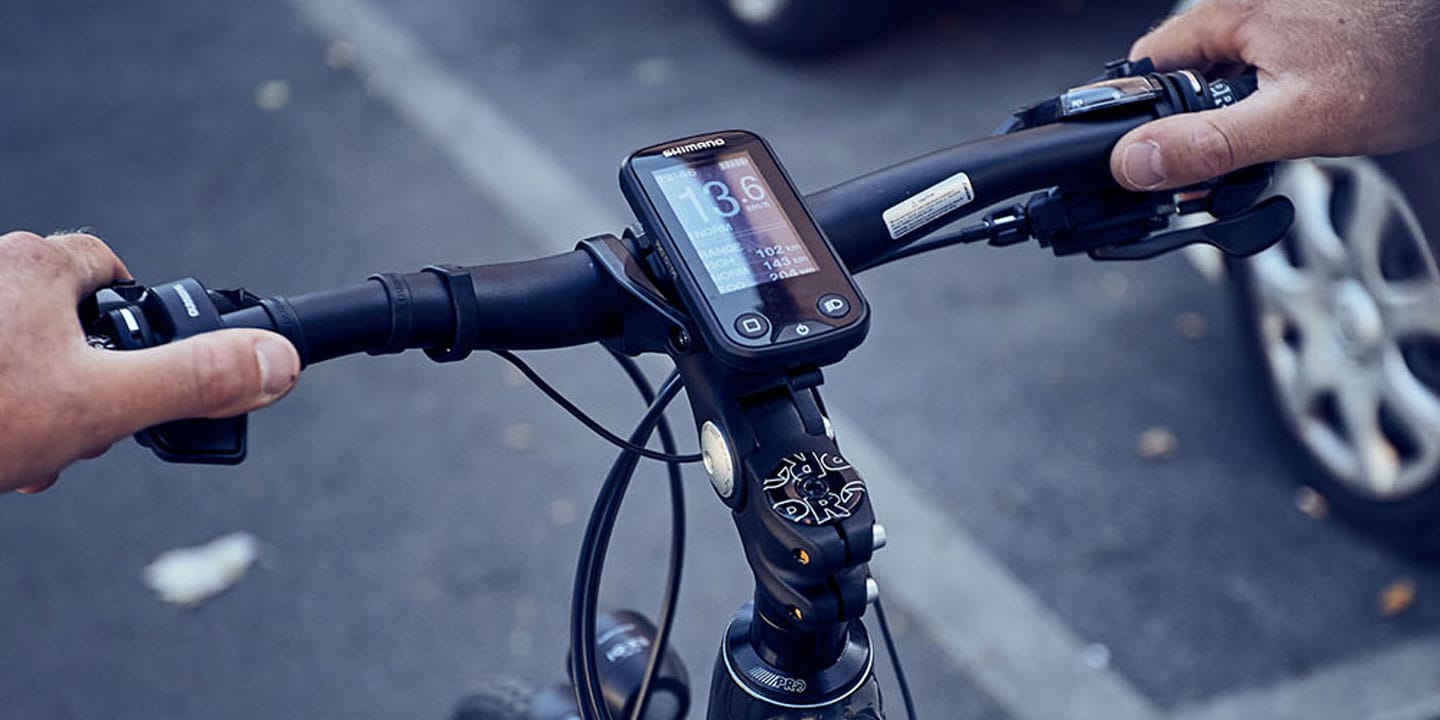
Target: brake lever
[1113,224]
[1240,235]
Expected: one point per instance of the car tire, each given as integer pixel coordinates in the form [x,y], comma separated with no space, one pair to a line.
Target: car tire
[1343,320]
[798,28]
[499,698]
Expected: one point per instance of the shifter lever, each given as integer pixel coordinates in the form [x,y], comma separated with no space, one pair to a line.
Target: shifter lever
[1240,235]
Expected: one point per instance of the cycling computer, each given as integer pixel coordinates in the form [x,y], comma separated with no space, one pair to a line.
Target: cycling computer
[763,285]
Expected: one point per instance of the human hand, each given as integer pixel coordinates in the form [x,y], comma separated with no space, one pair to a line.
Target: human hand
[62,400]
[1337,77]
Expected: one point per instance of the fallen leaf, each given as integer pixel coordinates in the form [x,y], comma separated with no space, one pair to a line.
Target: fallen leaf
[1312,503]
[652,72]
[513,377]
[273,95]
[190,576]
[520,436]
[1397,597]
[1192,325]
[1158,443]
[563,511]
[1097,656]
[1114,286]
[339,55]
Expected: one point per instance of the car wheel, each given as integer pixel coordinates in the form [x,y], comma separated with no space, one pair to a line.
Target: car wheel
[794,28]
[1344,319]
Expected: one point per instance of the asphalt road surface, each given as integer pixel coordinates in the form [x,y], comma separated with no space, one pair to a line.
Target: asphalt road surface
[421,521]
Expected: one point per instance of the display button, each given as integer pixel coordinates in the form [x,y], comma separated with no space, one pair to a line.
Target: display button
[833,306]
[799,331]
[752,325]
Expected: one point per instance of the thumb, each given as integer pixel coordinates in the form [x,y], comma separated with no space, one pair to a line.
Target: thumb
[213,375]
[1187,149]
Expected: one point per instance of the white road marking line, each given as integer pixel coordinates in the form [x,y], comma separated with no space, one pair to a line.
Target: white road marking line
[1367,688]
[536,193]
[984,618]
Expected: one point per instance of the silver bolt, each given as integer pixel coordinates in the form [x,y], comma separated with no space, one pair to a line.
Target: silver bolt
[715,453]
[878,538]
[872,590]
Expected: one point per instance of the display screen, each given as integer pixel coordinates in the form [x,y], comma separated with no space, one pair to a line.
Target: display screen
[735,223]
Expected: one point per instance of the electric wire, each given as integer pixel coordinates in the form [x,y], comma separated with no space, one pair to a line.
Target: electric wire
[968,234]
[895,660]
[665,622]
[938,243]
[593,548]
[589,422]
[1005,228]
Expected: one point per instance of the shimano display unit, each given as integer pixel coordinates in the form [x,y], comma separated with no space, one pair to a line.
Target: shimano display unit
[764,287]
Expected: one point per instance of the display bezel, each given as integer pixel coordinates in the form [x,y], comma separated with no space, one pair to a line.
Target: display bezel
[784,302]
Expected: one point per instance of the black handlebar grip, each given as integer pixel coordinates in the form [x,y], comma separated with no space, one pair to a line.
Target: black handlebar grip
[552,302]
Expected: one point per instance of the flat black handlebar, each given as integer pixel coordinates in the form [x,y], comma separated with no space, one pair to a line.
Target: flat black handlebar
[568,299]
[565,300]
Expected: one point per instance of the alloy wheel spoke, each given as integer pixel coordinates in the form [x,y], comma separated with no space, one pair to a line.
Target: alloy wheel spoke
[1320,363]
[1371,210]
[1412,308]
[1303,375]
[1293,292]
[757,11]
[1297,389]
[1315,235]
[1413,404]
[1359,408]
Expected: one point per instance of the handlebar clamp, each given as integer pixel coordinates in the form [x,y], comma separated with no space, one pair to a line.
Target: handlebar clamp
[461,289]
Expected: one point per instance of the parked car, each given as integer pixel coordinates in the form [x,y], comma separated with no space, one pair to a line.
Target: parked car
[1343,323]
[794,28]
[1343,318]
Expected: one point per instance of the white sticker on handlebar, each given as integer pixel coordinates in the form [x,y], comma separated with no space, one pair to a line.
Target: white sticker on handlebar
[928,205]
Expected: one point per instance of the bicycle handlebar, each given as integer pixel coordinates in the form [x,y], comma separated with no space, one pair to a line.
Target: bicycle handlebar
[812,583]
[567,299]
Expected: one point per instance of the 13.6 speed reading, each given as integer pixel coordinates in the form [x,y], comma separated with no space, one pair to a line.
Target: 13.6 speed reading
[742,238]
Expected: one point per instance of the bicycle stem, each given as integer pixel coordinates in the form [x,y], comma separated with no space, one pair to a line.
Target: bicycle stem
[805,521]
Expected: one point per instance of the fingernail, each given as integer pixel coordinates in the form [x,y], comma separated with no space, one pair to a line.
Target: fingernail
[277,366]
[1143,166]
[39,487]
